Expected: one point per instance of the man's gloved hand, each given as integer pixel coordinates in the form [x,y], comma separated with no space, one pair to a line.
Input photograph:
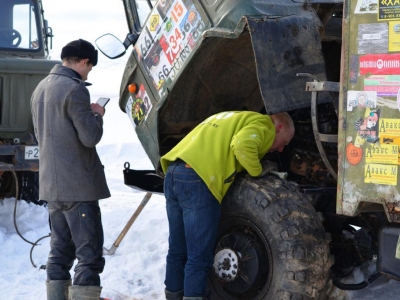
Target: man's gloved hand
[268,166]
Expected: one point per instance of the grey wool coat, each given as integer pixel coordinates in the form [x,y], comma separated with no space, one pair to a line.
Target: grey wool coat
[67,132]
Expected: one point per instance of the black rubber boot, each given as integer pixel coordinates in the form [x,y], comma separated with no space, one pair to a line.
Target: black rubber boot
[173,296]
[80,292]
[205,297]
[57,289]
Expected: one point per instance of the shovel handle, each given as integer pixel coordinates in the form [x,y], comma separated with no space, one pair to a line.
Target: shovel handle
[128,225]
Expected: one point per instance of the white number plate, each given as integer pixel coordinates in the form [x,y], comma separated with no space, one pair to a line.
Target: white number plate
[31,152]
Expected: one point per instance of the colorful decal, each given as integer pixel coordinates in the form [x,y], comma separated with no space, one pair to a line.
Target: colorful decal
[380,64]
[163,7]
[388,10]
[361,99]
[139,105]
[354,154]
[153,57]
[383,85]
[366,7]
[144,43]
[383,154]
[154,22]
[380,174]
[373,38]
[393,141]
[128,108]
[367,126]
[138,111]
[394,36]
[167,40]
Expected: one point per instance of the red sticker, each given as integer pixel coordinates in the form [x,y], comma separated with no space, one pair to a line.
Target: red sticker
[384,64]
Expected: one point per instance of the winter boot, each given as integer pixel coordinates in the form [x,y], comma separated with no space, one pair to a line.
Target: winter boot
[80,292]
[57,289]
[173,296]
[205,297]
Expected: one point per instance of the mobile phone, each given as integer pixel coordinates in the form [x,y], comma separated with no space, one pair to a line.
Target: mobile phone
[103,101]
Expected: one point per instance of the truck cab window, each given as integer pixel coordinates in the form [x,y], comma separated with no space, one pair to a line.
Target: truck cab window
[144,9]
[18,27]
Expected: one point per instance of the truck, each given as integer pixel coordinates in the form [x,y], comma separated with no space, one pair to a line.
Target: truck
[334,66]
[25,40]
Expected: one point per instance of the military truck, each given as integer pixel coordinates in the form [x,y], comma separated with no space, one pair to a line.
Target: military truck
[25,40]
[334,66]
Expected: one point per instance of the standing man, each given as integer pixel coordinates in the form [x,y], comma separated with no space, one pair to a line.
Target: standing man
[71,177]
[199,171]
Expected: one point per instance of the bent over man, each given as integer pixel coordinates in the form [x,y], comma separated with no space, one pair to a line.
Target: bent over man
[71,176]
[199,171]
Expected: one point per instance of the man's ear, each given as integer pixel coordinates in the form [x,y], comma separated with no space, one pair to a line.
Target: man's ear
[85,61]
[279,127]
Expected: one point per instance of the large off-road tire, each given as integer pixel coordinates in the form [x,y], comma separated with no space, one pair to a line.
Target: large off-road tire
[271,244]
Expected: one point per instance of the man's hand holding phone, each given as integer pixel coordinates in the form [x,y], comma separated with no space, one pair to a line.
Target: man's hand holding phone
[98,107]
[103,101]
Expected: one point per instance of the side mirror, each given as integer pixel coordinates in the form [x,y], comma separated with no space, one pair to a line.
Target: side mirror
[110,46]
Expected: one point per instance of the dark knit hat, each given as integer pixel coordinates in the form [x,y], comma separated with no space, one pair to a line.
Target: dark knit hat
[82,49]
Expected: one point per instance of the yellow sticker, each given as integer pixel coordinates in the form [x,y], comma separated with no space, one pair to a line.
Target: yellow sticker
[380,174]
[383,154]
[394,36]
[154,22]
[389,127]
[359,141]
[391,140]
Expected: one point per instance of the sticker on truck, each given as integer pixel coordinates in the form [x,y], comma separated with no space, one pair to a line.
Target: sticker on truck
[167,40]
[139,106]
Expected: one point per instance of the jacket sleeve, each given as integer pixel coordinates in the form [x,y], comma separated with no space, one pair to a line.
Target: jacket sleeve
[250,144]
[89,127]
[34,113]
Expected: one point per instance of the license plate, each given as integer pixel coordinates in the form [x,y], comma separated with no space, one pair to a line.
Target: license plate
[31,152]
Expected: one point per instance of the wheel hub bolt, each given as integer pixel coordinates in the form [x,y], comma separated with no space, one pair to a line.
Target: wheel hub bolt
[226,265]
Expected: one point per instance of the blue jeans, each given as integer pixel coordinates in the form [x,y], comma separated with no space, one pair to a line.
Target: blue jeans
[193,216]
[76,232]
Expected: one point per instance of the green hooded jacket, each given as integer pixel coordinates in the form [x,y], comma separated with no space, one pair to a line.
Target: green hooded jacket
[223,145]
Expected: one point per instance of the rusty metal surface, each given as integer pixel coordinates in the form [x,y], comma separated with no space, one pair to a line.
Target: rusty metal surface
[363,182]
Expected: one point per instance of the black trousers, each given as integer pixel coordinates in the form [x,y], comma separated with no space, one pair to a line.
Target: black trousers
[76,232]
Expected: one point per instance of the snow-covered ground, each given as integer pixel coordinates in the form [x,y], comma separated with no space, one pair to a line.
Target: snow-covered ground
[137,269]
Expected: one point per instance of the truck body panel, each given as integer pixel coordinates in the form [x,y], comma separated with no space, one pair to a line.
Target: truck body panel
[369,104]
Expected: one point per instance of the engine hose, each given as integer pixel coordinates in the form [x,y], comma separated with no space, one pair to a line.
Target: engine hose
[15,208]
[15,219]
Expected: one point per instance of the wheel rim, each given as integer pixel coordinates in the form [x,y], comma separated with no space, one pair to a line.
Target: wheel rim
[242,260]
[226,264]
